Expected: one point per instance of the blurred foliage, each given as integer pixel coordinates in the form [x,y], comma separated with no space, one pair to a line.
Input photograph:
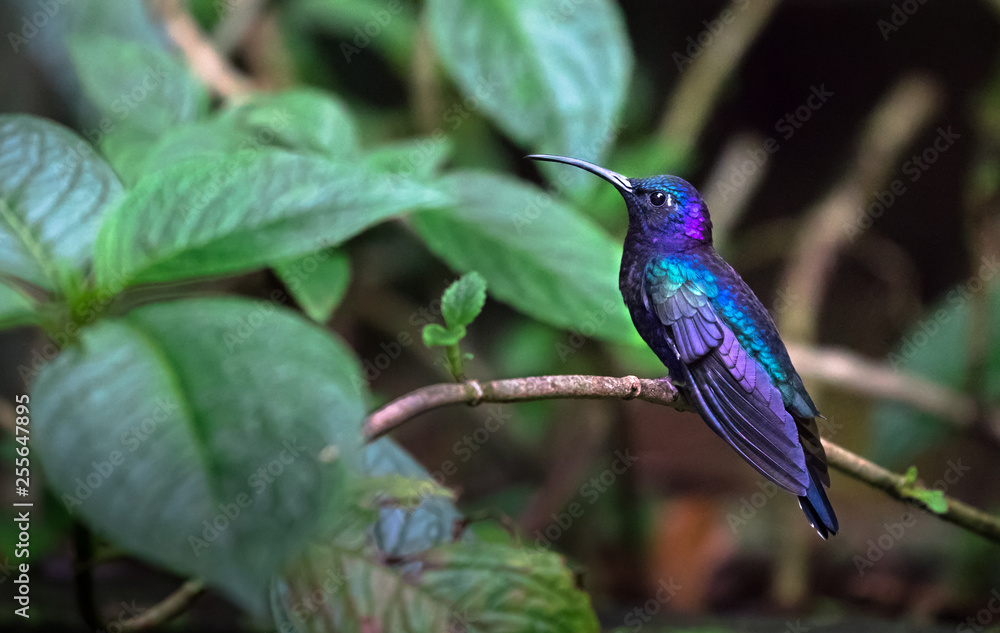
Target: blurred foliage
[220,436]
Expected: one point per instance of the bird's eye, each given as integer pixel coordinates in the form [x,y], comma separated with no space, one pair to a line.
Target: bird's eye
[657,198]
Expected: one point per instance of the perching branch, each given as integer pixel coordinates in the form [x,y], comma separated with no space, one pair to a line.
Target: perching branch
[659,391]
[392,415]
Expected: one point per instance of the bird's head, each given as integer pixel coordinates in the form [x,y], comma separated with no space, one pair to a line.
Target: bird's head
[661,209]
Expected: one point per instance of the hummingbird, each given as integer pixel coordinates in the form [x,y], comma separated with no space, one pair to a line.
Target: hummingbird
[718,342]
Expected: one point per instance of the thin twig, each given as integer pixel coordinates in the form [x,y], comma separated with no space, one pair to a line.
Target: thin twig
[659,391]
[168,608]
[234,23]
[961,514]
[841,368]
[202,58]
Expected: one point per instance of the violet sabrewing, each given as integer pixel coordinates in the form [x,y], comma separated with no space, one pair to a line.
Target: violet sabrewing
[719,344]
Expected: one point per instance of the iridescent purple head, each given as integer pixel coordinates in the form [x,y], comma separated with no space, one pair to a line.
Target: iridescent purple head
[663,210]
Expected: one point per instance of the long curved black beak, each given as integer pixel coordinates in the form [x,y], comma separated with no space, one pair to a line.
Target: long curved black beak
[620,182]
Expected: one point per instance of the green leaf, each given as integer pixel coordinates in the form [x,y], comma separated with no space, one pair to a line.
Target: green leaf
[405,492]
[480,588]
[54,191]
[318,281]
[135,82]
[419,158]
[535,254]
[552,74]
[436,335]
[463,300]
[933,499]
[16,308]
[305,120]
[190,433]
[217,216]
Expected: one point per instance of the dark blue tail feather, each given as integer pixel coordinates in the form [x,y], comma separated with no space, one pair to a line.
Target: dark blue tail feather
[817,508]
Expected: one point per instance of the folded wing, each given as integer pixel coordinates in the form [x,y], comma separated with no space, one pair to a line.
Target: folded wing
[731,388]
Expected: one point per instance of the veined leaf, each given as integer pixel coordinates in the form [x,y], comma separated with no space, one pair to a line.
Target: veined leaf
[552,74]
[54,192]
[463,300]
[190,433]
[535,253]
[208,217]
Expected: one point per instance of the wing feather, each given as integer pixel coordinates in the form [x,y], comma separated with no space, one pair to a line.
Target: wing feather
[737,396]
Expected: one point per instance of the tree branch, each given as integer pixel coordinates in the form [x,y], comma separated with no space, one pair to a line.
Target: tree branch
[473,392]
[167,608]
[659,391]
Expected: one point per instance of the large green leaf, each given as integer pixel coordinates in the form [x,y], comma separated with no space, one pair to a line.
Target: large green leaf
[553,74]
[305,120]
[54,191]
[404,574]
[536,254]
[135,82]
[190,433]
[215,216]
[140,92]
[341,586]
